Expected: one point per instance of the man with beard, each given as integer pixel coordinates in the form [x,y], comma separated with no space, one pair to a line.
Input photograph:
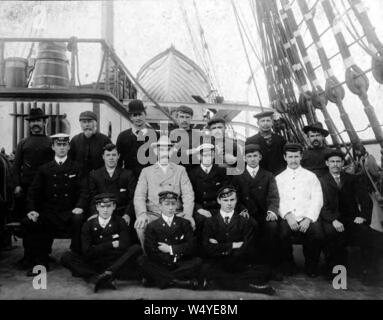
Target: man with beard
[314,157]
[271,144]
[130,141]
[86,148]
[185,138]
[31,153]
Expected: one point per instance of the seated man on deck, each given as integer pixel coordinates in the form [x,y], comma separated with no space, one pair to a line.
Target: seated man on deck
[107,249]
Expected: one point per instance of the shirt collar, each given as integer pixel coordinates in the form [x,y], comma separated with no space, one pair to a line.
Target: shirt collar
[226,214]
[204,168]
[251,170]
[103,222]
[62,160]
[168,220]
[294,171]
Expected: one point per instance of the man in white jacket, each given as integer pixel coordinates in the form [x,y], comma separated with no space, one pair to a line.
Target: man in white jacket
[301,200]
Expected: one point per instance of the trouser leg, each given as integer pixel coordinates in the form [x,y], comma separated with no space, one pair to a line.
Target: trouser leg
[124,267]
[77,265]
[76,225]
[286,235]
[312,242]
[271,243]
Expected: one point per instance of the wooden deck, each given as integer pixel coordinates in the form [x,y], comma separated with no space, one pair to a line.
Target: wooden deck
[61,285]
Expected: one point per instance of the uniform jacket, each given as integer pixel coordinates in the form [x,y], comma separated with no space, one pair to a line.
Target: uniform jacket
[122,184]
[57,190]
[87,152]
[239,229]
[205,186]
[272,154]
[31,153]
[314,160]
[179,235]
[97,241]
[343,203]
[258,194]
[153,180]
[128,146]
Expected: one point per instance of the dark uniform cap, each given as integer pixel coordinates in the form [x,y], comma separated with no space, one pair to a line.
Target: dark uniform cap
[225,191]
[264,114]
[136,106]
[316,127]
[105,198]
[60,137]
[185,109]
[216,120]
[167,195]
[249,148]
[293,147]
[334,153]
[36,113]
[88,115]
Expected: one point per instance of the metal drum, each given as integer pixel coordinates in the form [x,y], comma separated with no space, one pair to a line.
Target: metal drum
[52,66]
[16,72]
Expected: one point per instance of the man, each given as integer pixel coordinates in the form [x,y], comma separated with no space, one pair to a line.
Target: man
[107,250]
[314,157]
[258,192]
[346,216]
[227,149]
[162,176]
[31,153]
[228,241]
[301,200]
[206,179]
[130,141]
[86,147]
[271,144]
[56,202]
[113,179]
[186,139]
[169,245]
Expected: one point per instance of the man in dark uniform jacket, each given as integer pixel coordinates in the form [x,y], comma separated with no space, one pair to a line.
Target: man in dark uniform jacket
[86,147]
[206,179]
[258,192]
[130,141]
[346,216]
[107,249]
[56,202]
[113,179]
[31,153]
[228,241]
[271,144]
[169,245]
[314,157]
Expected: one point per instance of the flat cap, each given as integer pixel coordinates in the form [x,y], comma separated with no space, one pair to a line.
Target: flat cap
[136,106]
[88,115]
[226,191]
[252,148]
[167,195]
[293,147]
[61,137]
[264,114]
[185,109]
[334,153]
[316,127]
[215,120]
[105,198]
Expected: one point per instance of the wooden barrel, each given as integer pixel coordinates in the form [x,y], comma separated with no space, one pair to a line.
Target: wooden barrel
[52,66]
[15,75]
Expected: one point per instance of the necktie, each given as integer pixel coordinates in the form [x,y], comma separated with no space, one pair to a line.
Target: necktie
[227,220]
[253,174]
[206,170]
[337,180]
[60,163]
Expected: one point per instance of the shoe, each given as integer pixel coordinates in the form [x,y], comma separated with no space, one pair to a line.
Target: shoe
[24,264]
[276,275]
[265,289]
[31,273]
[185,284]
[312,272]
[147,283]
[104,280]
[289,268]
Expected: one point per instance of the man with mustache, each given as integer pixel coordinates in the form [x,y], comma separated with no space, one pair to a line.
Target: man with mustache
[314,157]
[86,148]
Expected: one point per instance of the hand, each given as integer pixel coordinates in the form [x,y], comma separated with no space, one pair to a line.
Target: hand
[292,221]
[245,214]
[213,241]
[93,216]
[230,159]
[33,215]
[204,213]
[163,247]
[77,211]
[304,225]
[271,216]
[126,218]
[237,245]
[359,220]
[18,190]
[141,221]
[338,225]
[192,222]
[116,243]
